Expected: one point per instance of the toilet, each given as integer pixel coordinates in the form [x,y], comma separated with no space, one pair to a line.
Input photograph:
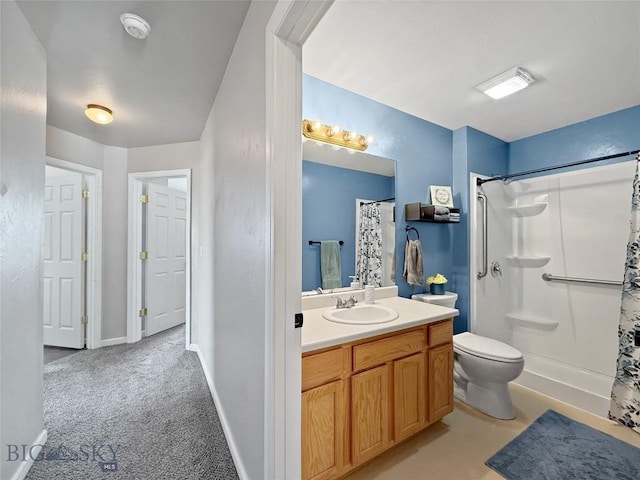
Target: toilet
[483,367]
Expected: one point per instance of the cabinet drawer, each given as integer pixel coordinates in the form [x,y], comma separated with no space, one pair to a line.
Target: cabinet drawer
[381,351]
[321,368]
[440,333]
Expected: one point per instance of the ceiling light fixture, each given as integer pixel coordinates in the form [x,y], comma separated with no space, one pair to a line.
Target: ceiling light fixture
[506,83]
[320,132]
[135,26]
[99,114]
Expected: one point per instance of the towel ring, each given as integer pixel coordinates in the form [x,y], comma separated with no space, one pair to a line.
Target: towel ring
[409,229]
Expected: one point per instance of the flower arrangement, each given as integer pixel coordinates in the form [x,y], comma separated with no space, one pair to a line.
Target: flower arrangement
[438,279]
[436,284]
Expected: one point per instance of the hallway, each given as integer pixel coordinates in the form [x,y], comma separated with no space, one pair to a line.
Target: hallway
[132,411]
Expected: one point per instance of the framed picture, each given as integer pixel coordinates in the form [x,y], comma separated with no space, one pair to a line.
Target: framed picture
[441,196]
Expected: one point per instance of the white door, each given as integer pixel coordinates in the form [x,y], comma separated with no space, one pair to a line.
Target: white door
[62,254]
[165,274]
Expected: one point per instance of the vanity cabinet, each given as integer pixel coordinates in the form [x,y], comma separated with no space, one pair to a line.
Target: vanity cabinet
[409,394]
[361,398]
[440,370]
[325,400]
[323,423]
[369,413]
[440,381]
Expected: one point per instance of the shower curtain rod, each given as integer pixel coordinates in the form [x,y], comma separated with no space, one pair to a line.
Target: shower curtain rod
[480,181]
[378,201]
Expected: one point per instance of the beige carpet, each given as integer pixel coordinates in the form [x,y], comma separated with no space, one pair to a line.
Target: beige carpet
[134,411]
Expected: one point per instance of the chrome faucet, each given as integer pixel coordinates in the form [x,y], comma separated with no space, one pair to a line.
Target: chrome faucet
[348,303]
[319,290]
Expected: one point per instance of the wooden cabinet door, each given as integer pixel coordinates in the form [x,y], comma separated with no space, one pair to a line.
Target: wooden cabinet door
[409,388]
[440,381]
[323,422]
[369,413]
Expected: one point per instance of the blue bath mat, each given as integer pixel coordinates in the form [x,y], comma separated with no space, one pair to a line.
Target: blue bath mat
[555,447]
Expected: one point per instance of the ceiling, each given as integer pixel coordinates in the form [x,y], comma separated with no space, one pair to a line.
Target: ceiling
[422,57]
[160,89]
[426,58]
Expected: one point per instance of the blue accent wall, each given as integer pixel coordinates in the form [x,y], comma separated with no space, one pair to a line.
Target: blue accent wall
[329,213]
[423,155]
[616,132]
[477,152]
[427,154]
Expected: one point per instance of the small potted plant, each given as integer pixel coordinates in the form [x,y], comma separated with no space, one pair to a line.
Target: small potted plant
[437,284]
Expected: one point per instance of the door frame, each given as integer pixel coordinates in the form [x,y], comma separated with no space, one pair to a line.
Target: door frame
[289,26]
[93,178]
[134,264]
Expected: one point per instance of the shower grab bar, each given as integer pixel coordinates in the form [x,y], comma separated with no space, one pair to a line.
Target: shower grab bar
[483,198]
[547,277]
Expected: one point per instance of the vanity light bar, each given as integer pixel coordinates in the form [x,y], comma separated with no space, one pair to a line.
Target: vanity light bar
[320,132]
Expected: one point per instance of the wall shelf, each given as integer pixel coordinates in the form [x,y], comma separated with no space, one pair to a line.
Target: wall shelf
[528,321]
[419,212]
[528,261]
[527,210]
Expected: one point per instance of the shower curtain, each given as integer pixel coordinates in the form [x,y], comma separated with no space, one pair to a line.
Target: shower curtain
[369,248]
[625,394]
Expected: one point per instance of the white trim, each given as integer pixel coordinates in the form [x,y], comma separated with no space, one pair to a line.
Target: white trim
[108,342]
[574,396]
[134,266]
[235,454]
[94,246]
[25,465]
[290,24]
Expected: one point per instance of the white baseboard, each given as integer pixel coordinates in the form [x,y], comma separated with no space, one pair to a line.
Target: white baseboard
[242,473]
[574,396]
[108,342]
[25,465]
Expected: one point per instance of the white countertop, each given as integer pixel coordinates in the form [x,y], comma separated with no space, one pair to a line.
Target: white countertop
[317,332]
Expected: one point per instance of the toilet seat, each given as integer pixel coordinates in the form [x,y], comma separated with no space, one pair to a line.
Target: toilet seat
[484,347]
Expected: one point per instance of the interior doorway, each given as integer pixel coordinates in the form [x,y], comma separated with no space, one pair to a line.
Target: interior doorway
[72,253]
[159,254]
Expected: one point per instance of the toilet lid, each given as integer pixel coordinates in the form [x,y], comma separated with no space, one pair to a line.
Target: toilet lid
[486,347]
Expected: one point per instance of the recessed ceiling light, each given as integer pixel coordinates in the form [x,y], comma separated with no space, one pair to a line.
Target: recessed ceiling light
[99,114]
[506,83]
[135,26]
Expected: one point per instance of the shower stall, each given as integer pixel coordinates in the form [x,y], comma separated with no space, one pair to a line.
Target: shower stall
[547,264]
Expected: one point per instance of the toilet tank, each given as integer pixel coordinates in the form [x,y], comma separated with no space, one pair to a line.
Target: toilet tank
[447,300]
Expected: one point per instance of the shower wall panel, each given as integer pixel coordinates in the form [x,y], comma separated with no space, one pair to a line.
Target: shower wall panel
[567,332]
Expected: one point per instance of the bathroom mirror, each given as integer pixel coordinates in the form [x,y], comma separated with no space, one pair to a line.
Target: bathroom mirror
[336,185]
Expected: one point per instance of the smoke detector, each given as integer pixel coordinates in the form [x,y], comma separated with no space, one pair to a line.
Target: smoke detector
[135,26]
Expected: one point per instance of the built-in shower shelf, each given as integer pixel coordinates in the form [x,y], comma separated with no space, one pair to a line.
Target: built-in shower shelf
[528,261]
[531,322]
[527,210]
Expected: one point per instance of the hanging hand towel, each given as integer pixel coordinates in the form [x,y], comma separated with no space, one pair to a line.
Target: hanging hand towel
[330,264]
[413,266]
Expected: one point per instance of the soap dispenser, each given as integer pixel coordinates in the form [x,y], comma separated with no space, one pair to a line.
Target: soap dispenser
[355,284]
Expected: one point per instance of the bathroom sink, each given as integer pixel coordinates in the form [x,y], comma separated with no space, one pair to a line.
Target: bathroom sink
[361,314]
